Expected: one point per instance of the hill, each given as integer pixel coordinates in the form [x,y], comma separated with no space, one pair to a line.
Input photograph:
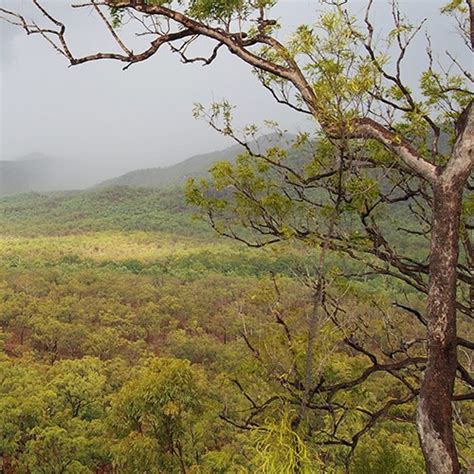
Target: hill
[142,200]
[37,172]
[172,175]
[113,208]
[196,166]
[34,172]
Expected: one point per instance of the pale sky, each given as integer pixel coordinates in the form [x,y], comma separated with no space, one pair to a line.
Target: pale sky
[113,121]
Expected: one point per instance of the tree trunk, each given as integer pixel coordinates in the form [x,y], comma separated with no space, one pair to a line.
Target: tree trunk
[434,414]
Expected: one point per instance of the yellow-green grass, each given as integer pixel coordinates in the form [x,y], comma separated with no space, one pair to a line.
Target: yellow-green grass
[108,245]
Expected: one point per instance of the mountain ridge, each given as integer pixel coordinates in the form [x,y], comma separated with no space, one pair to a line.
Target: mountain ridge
[36,172]
[195,166]
[176,174]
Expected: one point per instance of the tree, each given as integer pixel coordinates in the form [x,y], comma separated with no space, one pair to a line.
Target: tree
[54,450]
[80,386]
[375,134]
[52,425]
[155,414]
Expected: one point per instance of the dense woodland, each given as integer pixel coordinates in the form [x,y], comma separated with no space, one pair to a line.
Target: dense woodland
[135,339]
[304,307]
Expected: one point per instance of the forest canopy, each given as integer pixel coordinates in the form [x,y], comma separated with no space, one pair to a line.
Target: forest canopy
[340,342]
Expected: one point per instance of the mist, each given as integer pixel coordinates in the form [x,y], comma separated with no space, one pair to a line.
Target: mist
[96,121]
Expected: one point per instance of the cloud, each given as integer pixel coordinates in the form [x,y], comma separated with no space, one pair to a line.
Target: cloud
[123,120]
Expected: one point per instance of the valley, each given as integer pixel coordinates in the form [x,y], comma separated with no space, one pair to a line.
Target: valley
[114,298]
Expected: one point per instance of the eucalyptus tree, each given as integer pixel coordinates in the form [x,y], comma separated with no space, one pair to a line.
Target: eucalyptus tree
[379,143]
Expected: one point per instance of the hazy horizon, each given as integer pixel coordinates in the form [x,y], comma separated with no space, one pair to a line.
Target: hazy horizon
[107,122]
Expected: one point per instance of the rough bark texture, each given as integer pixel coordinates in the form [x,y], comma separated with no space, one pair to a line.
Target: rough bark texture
[434,413]
[434,416]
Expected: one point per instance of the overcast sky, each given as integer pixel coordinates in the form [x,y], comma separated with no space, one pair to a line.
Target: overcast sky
[142,117]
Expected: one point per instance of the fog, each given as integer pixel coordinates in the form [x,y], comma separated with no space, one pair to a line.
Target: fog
[103,121]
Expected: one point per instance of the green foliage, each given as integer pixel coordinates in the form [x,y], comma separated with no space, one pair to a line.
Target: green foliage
[115,208]
[279,448]
[217,9]
[129,333]
[205,10]
[154,412]
[83,315]
[55,451]
[454,5]
[116,16]
[386,451]
[80,386]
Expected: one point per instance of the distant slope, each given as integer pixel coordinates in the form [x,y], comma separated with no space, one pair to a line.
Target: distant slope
[196,166]
[173,175]
[37,172]
[33,173]
[112,208]
[34,200]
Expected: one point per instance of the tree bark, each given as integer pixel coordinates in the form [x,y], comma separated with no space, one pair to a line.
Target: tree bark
[434,414]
